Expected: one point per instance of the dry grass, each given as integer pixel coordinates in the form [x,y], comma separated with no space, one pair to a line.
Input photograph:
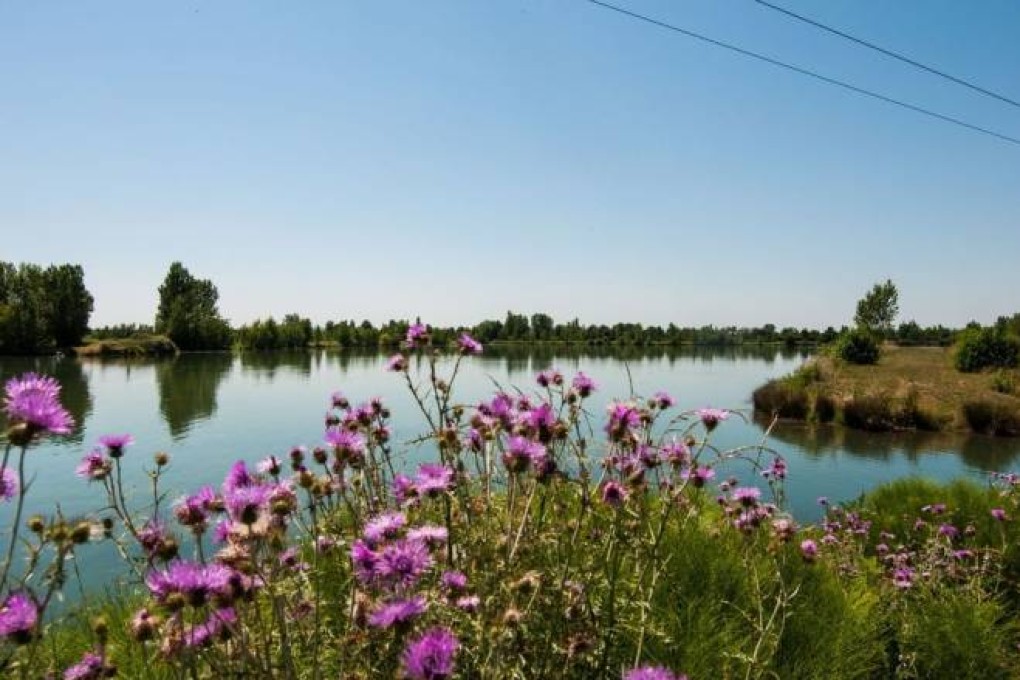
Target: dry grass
[927,373]
[149,345]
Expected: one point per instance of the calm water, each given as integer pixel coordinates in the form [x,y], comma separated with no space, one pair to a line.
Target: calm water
[208,410]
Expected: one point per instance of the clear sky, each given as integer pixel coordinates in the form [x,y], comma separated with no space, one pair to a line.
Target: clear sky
[457,158]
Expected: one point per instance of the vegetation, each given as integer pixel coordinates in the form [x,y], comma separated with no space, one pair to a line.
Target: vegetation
[188,314]
[139,345]
[877,310]
[524,548]
[913,388]
[42,309]
[858,347]
[980,348]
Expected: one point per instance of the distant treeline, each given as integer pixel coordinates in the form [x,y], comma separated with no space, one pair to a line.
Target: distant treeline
[295,331]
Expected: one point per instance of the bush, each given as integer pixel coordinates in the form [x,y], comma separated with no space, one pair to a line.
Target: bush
[825,408]
[858,347]
[992,417]
[980,348]
[871,412]
[1002,382]
[779,398]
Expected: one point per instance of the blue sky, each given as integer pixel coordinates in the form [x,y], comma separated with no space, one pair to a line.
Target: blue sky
[454,159]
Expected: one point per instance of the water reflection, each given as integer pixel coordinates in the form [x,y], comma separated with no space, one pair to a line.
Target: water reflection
[74,394]
[818,441]
[268,363]
[187,387]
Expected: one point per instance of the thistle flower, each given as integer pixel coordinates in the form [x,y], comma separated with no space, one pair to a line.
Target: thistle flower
[246,503]
[808,550]
[468,345]
[237,477]
[698,476]
[89,668]
[417,335]
[428,534]
[396,612]
[9,486]
[197,583]
[270,465]
[431,656]
[94,466]
[676,453]
[711,417]
[219,625]
[403,563]
[999,514]
[454,581]
[18,616]
[521,453]
[746,495]
[116,443]
[583,385]
[33,408]
[468,603]
[143,625]
[349,446]
[614,493]
[396,363]
[384,526]
[549,377]
[433,480]
[663,400]
[652,673]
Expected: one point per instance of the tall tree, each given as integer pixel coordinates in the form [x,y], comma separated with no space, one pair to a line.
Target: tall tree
[877,310]
[187,311]
[68,304]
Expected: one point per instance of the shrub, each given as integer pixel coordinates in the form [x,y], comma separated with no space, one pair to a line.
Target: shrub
[1002,382]
[992,417]
[858,347]
[872,412]
[825,408]
[980,348]
[780,398]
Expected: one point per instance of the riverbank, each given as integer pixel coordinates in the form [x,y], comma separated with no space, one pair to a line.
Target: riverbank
[910,388]
[147,345]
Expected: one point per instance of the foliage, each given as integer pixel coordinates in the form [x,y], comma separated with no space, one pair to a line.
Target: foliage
[997,417]
[187,312]
[980,348]
[1003,382]
[292,333]
[527,544]
[877,310]
[858,347]
[42,309]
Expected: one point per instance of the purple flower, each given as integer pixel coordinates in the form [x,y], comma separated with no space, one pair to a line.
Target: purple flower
[89,668]
[32,402]
[396,612]
[18,616]
[403,488]
[115,443]
[402,564]
[698,476]
[9,486]
[948,530]
[676,453]
[548,377]
[152,536]
[290,559]
[270,465]
[428,534]
[349,446]
[384,526]
[454,581]
[237,477]
[468,603]
[197,583]
[219,625]
[433,480]
[652,673]
[246,503]
[417,335]
[583,385]
[614,493]
[365,561]
[521,452]
[430,656]
[903,577]
[999,514]
[396,363]
[468,345]
[663,400]
[623,418]
[808,550]
[746,495]
[94,466]
[711,417]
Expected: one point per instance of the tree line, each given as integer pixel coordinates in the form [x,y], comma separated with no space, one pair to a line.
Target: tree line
[46,309]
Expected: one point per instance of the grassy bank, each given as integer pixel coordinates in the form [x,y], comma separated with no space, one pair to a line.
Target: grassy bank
[909,388]
[145,345]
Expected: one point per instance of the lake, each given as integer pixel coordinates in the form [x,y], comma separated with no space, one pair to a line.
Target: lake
[208,410]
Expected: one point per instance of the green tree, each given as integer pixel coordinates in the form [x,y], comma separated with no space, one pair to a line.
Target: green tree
[187,311]
[23,309]
[877,310]
[68,304]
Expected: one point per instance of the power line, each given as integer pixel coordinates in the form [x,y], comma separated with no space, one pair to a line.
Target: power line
[804,71]
[890,53]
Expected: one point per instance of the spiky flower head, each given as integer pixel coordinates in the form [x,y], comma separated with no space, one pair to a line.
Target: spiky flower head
[431,655]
